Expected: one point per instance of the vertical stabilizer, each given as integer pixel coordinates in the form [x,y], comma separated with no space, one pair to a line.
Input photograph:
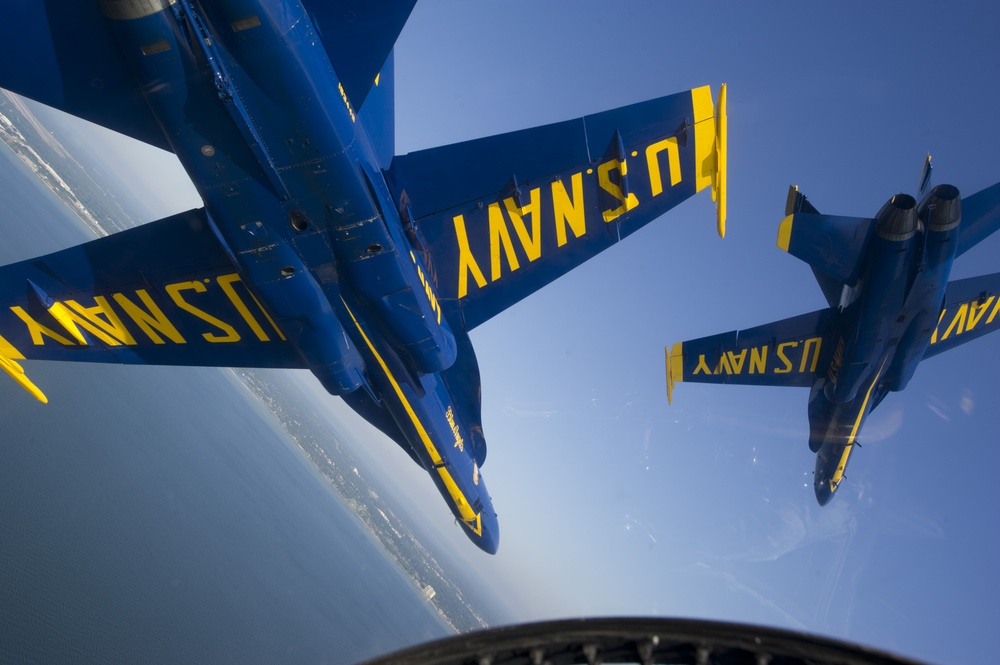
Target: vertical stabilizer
[796,203]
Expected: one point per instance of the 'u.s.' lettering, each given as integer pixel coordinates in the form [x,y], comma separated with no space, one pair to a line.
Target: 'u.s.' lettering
[524,226]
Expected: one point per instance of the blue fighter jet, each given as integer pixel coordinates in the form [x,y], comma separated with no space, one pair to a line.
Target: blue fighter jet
[318,247]
[890,306]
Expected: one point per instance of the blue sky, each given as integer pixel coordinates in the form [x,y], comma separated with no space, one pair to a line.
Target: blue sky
[611,502]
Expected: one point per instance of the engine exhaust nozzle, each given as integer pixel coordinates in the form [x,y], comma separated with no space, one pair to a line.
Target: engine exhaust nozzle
[897,220]
[941,209]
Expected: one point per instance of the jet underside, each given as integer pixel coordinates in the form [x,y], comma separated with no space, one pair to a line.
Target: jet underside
[890,307]
[315,248]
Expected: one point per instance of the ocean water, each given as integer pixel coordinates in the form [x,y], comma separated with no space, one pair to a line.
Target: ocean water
[157,514]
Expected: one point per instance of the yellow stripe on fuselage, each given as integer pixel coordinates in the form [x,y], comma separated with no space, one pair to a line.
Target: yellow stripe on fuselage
[842,465]
[470,519]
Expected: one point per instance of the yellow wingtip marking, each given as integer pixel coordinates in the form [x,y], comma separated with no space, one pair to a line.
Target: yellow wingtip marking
[701,101]
[675,368]
[785,232]
[705,131]
[16,372]
[721,146]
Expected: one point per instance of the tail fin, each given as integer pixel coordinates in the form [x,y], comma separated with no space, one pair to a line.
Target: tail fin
[379,113]
[925,177]
[797,202]
[797,205]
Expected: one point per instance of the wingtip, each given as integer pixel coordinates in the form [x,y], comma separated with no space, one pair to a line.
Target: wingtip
[721,159]
[16,372]
[675,367]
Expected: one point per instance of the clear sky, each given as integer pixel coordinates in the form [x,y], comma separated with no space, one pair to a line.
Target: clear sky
[611,502]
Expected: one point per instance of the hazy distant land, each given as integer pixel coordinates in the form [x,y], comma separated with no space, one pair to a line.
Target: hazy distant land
[339,466]
[104,214]
[61,172]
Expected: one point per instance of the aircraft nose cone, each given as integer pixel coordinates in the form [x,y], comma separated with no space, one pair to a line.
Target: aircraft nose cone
[824,486]
[823,492]
[489,541]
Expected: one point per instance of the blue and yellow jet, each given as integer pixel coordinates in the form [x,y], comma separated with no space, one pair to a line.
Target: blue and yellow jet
[317,247]
[890,306]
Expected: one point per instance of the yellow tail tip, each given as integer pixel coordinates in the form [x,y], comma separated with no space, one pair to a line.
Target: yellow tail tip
[16,372]
[785,232]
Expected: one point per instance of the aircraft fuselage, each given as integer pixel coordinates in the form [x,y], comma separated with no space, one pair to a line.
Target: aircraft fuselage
[251,105]
[888,326]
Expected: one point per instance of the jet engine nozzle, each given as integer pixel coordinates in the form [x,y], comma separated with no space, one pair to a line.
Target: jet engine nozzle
[897,220]
[941,209]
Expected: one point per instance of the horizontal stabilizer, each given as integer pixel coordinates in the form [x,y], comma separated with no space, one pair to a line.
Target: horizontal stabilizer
[971,310]
[500,217]
[833,245]
[790,352]
[164,293]
[980,217]
[796,203]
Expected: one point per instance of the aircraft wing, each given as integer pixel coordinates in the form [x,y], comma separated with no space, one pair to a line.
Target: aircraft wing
[971,310]
[790,352]
[164,293]
[980,217]
[497,218]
